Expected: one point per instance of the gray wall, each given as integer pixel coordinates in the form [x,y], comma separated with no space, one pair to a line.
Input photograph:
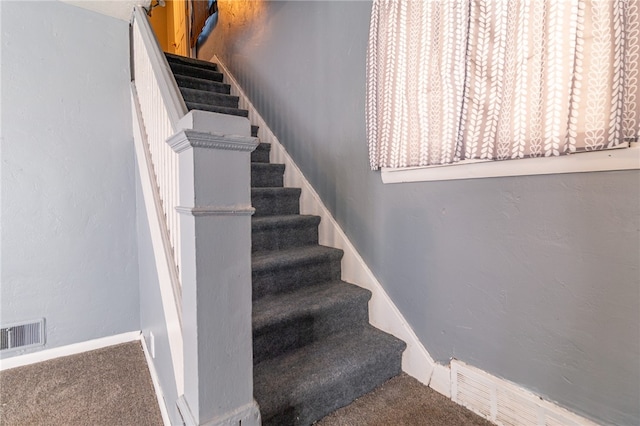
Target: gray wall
[534,279]
[69,250]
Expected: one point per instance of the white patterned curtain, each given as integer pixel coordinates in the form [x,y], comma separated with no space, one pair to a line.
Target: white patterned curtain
[460,80]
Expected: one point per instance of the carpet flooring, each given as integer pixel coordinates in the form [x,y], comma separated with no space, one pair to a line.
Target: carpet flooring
[403,401]
[110,386]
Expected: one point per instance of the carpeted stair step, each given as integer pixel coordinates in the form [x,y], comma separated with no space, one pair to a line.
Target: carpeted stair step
[283,232]
[209,98]
[275,201]
[286,322]
[194,71]
[278,271]
[254,130]
[303,386]
[266,175]
[219,109]
[202,84]
[176,59]
[261,153]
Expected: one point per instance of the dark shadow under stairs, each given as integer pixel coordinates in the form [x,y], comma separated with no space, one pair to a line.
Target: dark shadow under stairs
[313,348]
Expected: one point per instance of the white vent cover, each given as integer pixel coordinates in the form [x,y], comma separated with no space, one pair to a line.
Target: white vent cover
[503,402]
[22,335]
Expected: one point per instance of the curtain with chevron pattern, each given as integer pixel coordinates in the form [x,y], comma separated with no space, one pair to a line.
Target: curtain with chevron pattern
[451,80]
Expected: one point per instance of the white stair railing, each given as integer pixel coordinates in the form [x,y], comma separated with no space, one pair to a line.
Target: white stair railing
[161,108]
[195,173]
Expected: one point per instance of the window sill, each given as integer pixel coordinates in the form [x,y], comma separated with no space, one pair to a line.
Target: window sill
[598,161]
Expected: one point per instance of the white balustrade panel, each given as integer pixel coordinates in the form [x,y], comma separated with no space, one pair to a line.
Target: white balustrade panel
[159,126]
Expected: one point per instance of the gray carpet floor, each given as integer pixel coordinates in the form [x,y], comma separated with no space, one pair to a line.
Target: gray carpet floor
[112,386]
[109,386]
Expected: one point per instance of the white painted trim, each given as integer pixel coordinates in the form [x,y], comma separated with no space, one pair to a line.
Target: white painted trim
[441,380]
[216,211]
[595,161]
[152,196]
[383,314]
[186,138]
[73,349]
[176,108]
[156,382]
[171,306]
[185,412]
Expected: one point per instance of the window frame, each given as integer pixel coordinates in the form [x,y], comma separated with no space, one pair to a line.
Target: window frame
[622,158]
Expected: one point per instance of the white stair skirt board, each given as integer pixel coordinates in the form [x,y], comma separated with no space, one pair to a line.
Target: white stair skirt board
[156,382]
[505,403]
[383,314]
[73,349]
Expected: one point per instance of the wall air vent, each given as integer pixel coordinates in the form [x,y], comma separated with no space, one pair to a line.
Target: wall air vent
[505,403]
[22,335]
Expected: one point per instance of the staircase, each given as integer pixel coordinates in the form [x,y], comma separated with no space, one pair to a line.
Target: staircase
[313,348]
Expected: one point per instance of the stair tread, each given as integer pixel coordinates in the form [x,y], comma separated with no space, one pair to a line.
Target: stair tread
[185,81]
[212,108]
[293,257]
[195,71]
[195,92]
[294,220]
[275,190]
[191,61]
[309,374]
[304,301]
[276,166]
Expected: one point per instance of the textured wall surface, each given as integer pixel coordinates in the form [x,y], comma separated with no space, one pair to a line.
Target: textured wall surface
[69,250]
[534,279]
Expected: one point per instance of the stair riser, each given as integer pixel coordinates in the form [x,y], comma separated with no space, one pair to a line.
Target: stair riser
[324,401]
[200,84]
[285,278]
[267,177]
[219,109]
[215,99]
[197,72]
[276,203]
[284,238]
[260,155]
[278,339]
[176,59]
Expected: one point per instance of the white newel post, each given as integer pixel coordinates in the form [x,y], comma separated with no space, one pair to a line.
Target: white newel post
[215,220]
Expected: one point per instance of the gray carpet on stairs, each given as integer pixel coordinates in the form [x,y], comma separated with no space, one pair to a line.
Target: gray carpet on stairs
[314,350]
[109,386]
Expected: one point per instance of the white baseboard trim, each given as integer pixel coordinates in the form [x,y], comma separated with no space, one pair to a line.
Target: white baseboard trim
[441,380]
[156,382]
[383,313]
[73,349]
